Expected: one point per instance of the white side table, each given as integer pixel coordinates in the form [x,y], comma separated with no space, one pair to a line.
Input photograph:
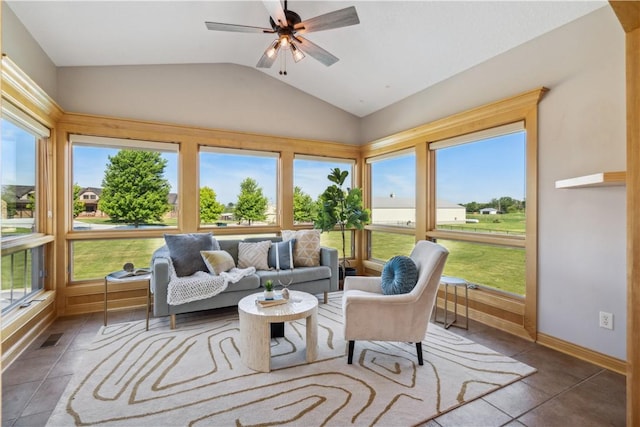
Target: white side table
[117,277]
[456,282]
[255,330]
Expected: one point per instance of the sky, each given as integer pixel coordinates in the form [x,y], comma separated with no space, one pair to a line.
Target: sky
[478,171]
[482,170]
[18,148]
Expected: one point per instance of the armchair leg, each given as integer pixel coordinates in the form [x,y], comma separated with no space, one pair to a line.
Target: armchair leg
[326,297]
[419,349]
[350,358]
[172,321]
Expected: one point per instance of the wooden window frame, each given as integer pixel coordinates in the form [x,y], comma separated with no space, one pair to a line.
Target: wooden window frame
[492,308]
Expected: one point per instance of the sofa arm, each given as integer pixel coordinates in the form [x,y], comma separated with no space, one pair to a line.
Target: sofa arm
[329,257]
[160,285]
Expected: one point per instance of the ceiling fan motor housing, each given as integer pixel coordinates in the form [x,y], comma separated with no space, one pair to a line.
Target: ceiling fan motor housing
[292,20]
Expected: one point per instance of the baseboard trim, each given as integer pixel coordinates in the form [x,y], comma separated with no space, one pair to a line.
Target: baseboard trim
[603,360]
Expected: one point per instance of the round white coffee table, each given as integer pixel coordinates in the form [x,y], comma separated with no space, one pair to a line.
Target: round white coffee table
[255,328]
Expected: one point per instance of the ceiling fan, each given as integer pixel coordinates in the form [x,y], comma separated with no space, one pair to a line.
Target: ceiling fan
[288,26]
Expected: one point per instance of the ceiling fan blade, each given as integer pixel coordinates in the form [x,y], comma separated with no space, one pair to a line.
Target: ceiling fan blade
[274,7]
[316,51]
[266,61]
[336,19]
[217,26]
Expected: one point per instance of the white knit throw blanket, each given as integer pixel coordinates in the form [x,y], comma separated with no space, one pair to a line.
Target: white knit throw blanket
[201,285]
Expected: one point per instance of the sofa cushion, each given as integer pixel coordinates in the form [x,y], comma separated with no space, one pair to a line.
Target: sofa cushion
[254,254]
[300,275]
[307,248]
[281,255]
[399,276]
[217,261]
[231,246]
[184,250]
[247,283]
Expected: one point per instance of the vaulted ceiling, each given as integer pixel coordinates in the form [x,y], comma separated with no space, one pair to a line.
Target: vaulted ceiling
[399,48]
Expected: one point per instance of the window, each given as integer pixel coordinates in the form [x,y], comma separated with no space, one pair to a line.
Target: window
[480,191]
[393,204]
[94,259]
[125,184]
[480,184]
[497,267]
[386,245]
[22,275]
[393,190]
[238,187]
[22,168]
[310,180]
[19,163]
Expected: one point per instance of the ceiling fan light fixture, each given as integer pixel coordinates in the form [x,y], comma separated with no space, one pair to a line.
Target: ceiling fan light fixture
[298,55]
[272,50]
[288,29]
[285,42]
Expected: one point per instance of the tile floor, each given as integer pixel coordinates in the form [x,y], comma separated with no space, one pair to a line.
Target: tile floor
[564,392]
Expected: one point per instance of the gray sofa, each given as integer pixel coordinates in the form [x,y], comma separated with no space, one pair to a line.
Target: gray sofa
[314,280]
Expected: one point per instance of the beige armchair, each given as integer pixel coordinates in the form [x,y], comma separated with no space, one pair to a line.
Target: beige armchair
[372,316]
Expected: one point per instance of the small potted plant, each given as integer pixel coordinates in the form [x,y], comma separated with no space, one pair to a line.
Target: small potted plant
[268,290]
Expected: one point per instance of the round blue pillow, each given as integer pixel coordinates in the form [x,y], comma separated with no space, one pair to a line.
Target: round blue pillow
[399,275]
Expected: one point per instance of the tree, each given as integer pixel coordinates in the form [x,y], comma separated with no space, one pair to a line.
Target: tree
[78,206]
[9,198]
[472,207]
[31,205]
[341,207]
[134,188]
[251,204]
[210,208]
[304,208]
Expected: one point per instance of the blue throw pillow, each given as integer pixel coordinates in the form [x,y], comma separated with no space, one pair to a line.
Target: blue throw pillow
[184,250]
[284,258]
[399,275]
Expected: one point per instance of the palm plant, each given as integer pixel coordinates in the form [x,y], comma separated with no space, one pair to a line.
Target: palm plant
[342,207]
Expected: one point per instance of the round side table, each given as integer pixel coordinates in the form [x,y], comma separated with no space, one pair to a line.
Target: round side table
[119,277]
[456,283]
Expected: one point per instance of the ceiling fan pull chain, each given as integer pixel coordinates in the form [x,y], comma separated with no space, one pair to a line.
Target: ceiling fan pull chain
[283,65]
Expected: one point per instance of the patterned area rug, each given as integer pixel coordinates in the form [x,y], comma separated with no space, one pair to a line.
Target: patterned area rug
[193,375]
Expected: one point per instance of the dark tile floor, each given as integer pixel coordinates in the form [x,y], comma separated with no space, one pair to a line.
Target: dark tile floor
[564,392]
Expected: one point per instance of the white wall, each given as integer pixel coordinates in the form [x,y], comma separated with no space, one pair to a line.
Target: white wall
[582,246]
[23,50]
[223,96]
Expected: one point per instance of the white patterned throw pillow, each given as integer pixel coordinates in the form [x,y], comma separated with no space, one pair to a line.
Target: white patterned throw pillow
[306,252]
[254,254]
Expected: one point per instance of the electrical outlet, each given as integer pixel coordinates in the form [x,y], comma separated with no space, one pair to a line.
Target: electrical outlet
[606,320]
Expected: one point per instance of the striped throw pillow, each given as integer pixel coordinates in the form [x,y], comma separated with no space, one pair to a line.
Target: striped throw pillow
[306,252]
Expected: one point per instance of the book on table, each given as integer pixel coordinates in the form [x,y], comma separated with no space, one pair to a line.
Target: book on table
[123,274]
[277,300]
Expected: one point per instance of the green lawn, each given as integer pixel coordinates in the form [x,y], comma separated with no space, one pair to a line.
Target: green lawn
[97,258]
[511,223]
[167,222]
[494,266]
[498,267]
[18,270]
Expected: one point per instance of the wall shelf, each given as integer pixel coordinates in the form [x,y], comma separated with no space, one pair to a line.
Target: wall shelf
[601,179]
